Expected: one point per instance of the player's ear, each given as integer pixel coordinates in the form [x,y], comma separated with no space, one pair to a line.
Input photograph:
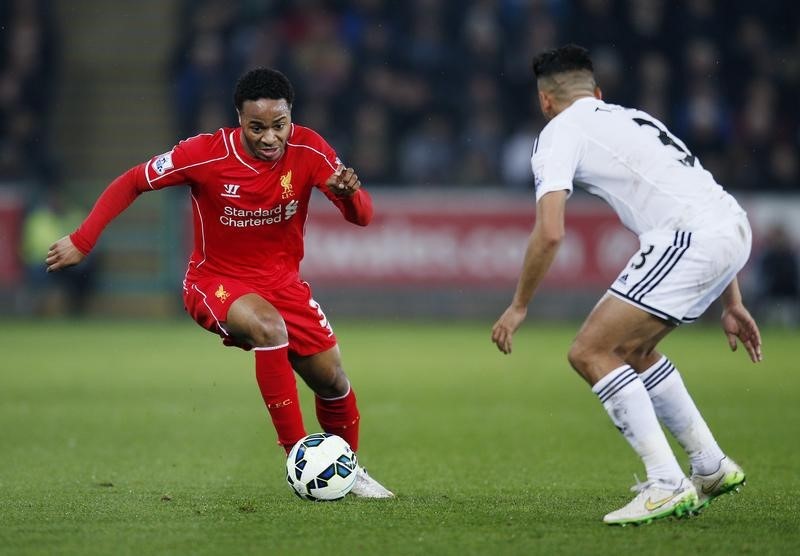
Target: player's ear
[239,116]
[545,102]
[598,94]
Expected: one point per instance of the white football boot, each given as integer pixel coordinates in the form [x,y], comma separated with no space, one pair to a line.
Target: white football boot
[654,501]
[367,487]
[728,478]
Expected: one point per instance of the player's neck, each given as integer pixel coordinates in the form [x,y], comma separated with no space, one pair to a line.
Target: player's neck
[572,99]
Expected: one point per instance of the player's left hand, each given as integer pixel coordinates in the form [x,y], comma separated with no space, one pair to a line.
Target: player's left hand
[738,323]
[508,323]
[344,182]
[63,254]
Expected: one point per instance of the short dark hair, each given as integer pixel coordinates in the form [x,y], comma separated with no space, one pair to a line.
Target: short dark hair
[263,83]
[559,60]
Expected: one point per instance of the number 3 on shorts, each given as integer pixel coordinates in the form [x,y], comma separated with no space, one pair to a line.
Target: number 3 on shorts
[643,258]
[323,320]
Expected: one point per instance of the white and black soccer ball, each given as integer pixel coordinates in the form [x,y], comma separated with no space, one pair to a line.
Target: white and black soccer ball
[321,466]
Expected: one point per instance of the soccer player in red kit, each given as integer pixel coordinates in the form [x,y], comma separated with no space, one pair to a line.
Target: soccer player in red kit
[250,189]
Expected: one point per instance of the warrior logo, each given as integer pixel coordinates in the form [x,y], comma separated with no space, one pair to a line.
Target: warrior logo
[231,190]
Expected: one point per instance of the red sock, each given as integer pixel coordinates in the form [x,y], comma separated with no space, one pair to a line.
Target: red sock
[276,381]
[340,416]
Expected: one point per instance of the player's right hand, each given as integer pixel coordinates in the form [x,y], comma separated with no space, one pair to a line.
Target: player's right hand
[62,254]
[503,330]
[344,182]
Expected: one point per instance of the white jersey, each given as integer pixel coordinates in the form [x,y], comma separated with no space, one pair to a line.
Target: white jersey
[630,159]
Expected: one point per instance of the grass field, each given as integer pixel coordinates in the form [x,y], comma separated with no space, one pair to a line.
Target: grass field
[151,438]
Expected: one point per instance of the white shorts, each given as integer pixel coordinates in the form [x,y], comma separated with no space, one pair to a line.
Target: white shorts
[677,274]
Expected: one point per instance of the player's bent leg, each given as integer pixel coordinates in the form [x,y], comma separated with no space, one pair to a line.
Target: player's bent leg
[713,473]
[609,334]
[679,414]
[254,321]
[597,354]
[337,410]
[335,399]
[323,372]
[641,356]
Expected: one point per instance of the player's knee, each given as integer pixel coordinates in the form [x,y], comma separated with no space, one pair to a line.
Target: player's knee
[640,357]
[340,384]
[625,351]
[579,354]
[329,381]
[268,329]
[637,353]
[332,385]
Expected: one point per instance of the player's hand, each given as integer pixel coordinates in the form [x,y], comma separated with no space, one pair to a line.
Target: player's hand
[503,330]
[344,182]
[738,323]
[62,254]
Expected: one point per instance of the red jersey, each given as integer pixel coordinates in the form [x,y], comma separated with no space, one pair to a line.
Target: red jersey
[249,214]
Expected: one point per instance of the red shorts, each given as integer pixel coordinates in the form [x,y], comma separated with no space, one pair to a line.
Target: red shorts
[207,300]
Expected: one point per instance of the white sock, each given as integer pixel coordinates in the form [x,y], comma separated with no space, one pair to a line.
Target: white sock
[676,409]
[625,399]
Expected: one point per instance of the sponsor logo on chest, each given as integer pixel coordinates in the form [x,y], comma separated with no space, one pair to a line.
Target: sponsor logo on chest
[238,217]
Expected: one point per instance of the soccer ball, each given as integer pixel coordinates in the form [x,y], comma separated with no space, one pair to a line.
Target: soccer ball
[321,466]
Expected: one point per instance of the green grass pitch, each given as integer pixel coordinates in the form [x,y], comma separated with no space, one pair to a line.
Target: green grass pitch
[151,438]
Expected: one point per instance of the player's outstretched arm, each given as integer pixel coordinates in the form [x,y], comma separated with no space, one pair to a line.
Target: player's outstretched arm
[63,254]
[739,324]
[542,248]
[71,250]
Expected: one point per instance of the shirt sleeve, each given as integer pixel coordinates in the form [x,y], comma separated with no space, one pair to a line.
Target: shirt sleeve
[117,197]
[326,164]
[173,167]
[555,158]
[356,209]
[164,170]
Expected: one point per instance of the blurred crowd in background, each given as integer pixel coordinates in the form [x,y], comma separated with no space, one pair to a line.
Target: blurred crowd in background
[440,92]
[29,71]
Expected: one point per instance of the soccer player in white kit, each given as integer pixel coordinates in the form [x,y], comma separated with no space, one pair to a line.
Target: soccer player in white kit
[694,238]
